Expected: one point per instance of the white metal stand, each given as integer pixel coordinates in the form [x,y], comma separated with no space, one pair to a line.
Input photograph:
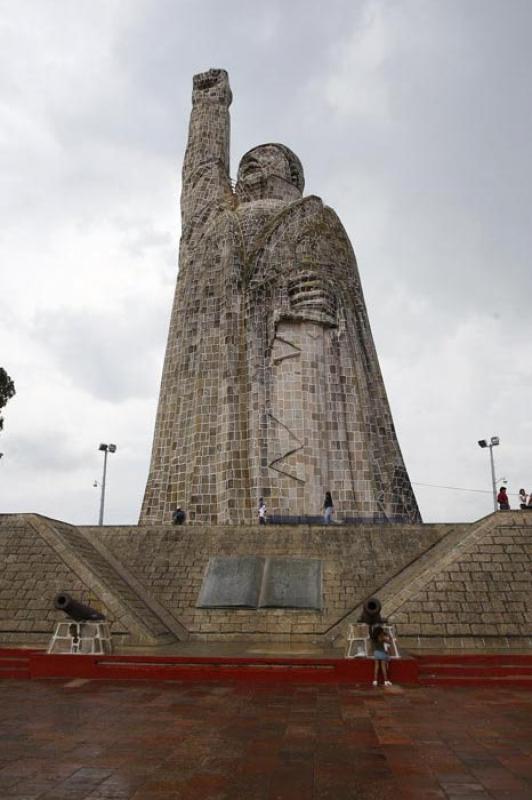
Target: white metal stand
[391,648]
[84,638]
[359,641]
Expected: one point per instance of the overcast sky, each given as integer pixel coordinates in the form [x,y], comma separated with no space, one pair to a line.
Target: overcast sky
[413,121]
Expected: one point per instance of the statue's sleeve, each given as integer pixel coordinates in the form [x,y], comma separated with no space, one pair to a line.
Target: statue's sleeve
[205,181]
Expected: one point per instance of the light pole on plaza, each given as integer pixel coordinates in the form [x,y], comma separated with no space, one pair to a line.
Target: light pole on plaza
[493,442]
[105,448]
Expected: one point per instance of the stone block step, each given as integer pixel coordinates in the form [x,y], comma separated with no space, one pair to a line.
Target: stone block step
[219,669]
[466,671]
[457,656]
[510,681]
[14,674]
[484,669]
[14,666]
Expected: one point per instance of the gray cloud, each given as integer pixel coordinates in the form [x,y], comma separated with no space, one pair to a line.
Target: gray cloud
[113,356]
[50,452]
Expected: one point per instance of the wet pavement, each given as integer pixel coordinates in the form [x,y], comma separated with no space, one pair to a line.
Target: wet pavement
[96,740]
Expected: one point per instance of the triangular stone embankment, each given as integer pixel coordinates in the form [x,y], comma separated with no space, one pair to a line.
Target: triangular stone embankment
[474,584]
[130,608]
[406,574]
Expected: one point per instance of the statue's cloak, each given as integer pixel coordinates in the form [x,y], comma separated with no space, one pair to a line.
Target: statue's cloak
[271,385]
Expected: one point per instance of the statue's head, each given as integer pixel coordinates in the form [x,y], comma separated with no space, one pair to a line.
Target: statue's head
[270,171]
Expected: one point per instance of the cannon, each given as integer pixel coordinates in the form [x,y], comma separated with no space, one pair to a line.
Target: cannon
[76,611]
[371,612]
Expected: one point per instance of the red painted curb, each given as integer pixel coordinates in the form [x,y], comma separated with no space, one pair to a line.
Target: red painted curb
[434,670]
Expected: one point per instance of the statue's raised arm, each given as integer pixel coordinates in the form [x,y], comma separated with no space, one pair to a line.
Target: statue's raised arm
[206,165]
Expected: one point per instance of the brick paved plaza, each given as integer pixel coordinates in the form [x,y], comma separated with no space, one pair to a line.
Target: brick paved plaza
[88,740]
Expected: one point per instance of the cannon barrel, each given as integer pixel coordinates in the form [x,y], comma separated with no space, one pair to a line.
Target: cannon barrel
[76,611]
[371,611]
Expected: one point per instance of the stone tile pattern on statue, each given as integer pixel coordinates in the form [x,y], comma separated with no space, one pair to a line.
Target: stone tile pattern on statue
[271,384]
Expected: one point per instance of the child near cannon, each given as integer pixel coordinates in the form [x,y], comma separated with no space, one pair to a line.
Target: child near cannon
[380,640]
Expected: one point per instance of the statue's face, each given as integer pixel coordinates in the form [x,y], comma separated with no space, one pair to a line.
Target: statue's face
[263,173]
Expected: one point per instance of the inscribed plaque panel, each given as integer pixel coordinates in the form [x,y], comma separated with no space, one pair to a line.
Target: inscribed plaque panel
[292,583]
[232,581]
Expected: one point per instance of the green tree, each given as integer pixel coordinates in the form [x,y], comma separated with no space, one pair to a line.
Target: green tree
[7,390]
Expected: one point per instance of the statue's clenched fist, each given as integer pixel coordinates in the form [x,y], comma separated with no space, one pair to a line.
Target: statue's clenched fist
[212,85]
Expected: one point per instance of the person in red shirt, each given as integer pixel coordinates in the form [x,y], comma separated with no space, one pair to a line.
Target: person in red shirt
[502,499]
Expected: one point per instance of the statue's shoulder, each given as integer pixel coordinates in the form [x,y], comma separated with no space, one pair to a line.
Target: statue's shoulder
[302,216]
[313,206]
[323,222]
[299,211]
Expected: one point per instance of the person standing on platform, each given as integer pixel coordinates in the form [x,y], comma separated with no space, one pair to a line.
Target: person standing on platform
[522,498]
[179,516]
[328,508]
[380,640]
[262,511]
[503,500]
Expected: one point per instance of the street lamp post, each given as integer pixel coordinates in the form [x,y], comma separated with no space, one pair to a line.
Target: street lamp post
[493,442]
[105,448]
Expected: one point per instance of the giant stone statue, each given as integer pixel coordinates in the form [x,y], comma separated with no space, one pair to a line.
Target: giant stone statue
[271,385]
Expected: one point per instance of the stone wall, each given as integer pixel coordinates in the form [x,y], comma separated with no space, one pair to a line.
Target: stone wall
[484,594]
[171,563]
[31,574]
[40,558]
[443,585]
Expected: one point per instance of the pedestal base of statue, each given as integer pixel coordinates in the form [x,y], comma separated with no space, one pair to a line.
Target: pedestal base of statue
[359,643]
[82,638]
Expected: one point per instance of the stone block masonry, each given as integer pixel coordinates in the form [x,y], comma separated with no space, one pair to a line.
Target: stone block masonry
[443,585]
[472,589]
[40,557]
[31,574]
[171,563]
[483,593]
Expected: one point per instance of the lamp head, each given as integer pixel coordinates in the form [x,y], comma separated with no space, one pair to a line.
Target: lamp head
[482,443]
[494,441]
[110,447]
